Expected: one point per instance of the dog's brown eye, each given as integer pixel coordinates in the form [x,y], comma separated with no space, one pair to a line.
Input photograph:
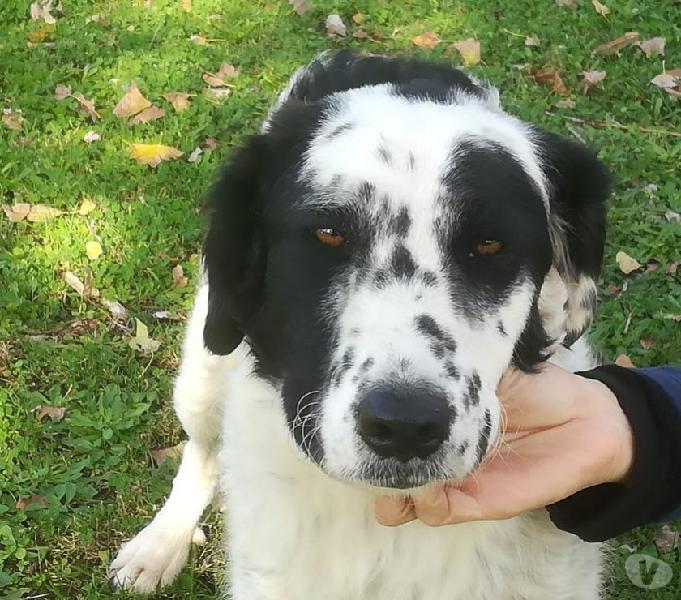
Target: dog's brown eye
[488,247]
[329,237]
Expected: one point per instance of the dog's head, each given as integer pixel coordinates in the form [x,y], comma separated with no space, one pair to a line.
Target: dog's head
[389,244]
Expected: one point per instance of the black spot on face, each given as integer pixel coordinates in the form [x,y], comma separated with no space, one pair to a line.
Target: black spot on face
[451,370]
[366,364]
[339,130]
[381,279]
[401,223]
[411,161]
[429,278]
[441,341]
[473,391]
[462,448]
[339,370]
[483,440]
[384,155]
[402,264]
[501,329]
[366,192]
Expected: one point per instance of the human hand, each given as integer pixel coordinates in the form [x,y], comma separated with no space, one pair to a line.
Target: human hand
[562,433]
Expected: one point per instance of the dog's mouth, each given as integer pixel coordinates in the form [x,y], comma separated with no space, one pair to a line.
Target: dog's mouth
[396,475]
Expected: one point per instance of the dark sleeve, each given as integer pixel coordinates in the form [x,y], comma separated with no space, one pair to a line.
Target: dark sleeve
[651,400]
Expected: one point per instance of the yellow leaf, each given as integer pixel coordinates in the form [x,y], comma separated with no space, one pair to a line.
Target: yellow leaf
[131,103]
[86,207]
[153,154]
[469,50]
[427,40]
[186,5]
[17,212]
[358,17]
[626,263]
[179,280]
[601,9]
[179,100]
[93,250]
[42,212]
[40,35]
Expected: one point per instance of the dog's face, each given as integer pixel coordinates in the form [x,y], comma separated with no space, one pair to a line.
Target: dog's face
[388,250]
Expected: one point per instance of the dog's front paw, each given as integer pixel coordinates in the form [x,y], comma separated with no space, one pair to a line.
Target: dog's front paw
[152,559]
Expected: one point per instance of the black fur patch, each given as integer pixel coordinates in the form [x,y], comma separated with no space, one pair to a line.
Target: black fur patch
[384,155]
[441,341]
[472,397]
[339,130]
[402,264]
[401,223]
[483,440]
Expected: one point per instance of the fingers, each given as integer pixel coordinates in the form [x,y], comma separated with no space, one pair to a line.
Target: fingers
[392,511]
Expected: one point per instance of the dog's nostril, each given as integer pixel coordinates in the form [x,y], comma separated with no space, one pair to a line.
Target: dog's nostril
[403,423]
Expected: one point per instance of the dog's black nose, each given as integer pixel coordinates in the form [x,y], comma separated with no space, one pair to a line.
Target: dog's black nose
[403,424]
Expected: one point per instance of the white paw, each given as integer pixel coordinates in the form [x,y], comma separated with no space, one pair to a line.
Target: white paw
[152,559]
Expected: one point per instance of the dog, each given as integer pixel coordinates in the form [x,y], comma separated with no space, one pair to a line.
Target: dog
[377,256]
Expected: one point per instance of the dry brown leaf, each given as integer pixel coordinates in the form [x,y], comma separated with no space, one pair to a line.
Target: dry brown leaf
[41,11]
[600,8]
[12,119]
[646,343]
[666,81]
[160,455]
[653,46]
[148,114]
[116,309]
[674,317]
[210,143]
[614,46]
[567,3]
[217,93]
[335,26]
[131,103]
[566,103]
[54,413]
[42,212]
[551,76]
[17,212]
[360,34]
[591,79]
[61,91]
[300,6]
[179,280]
[667,540]
[219,79]
[25,501]
[179,100]
[624,361]
[469,50]
[427,40]
[186,5]
[532,40]
[87,107]
[84,289]
[626,263]
[153,154]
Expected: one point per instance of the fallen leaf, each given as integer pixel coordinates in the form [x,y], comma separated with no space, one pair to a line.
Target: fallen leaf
[164,315]
[153,154]
[12,119]
[40,35]
[427,40]
[335,26]
[93,249]
[600,8]
[179,280]
[670,215]
[148,114]
[650,189]
[82,289]
[358,18]
[300,6]
[41,10]
[652,265]
[99,19]
[667,539]
[116,309]
[360,34]
[665,81]
[23,502]
[210,143]
[646,343]
[160,455]
[567,3]
[566,103]
[591,79]
[42,212]
[199,40]
[626,263]
[87,107]
[674,317]
[141,341]
[194,156]
[551,76]
[613,290]
[91,136]
[17,212]
[131,103]
[469,50]
[217,92]
[624,361]
[219,79]
[186,5]
[179,100]
[86,207]
[532,40]
[61,91]
[614,46]
[54,413]
[673,267]
[653,46]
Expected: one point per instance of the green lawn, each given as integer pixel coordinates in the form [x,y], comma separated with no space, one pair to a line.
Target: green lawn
[91,475]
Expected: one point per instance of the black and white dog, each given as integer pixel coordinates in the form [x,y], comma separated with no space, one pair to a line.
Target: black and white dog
[378,255]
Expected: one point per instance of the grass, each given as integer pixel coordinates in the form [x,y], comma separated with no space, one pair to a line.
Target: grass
[92,474]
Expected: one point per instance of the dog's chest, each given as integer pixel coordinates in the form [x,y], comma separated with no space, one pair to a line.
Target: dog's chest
[295,534]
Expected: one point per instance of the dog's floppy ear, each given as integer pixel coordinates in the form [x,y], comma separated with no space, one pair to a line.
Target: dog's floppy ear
[578,186]
[234,251]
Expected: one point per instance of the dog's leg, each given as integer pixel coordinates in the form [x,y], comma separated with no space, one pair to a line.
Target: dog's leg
[158,553]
